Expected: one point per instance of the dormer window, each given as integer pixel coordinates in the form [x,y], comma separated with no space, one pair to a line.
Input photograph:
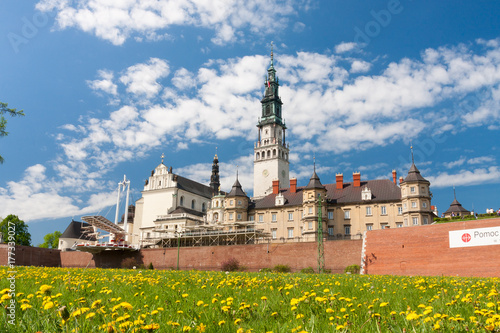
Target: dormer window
[366,194]
[279,200]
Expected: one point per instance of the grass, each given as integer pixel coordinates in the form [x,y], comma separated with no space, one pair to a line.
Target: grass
[123,300]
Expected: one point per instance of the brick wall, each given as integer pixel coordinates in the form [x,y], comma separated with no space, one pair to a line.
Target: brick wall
[31,256]
[425,250]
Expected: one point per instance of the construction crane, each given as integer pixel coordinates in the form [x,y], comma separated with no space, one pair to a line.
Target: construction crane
[321,246]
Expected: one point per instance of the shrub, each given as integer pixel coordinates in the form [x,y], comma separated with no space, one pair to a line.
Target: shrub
[151,266]
[308,270]
[230,265]
[353,269]
[327,271]
[282,269]
[128,263]
[266,270]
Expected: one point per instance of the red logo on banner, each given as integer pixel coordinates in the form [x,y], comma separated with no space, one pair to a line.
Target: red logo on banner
[466,237]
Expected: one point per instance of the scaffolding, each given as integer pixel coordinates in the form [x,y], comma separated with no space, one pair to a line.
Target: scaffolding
[238,233]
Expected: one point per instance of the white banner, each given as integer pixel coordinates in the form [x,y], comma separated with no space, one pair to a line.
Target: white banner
[475,237]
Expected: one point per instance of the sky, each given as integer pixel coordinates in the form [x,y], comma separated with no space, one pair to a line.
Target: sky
[107,86]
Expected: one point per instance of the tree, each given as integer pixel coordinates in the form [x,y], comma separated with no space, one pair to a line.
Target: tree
[12,226]
[3,121]
[51,241]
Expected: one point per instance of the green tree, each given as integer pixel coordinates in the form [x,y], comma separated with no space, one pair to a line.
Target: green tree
[51,241]
[3,122]
[13,226]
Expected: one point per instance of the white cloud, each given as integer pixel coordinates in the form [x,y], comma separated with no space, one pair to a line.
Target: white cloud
[450,165]
[142,79]
[116,21]
[345,47]
[360,66]
[466,177]
[105,83]
[481,160]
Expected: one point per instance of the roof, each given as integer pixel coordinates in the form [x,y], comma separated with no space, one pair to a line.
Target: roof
[314,182]
[236,190]
[181,210]
[456,207]
[414,175]
[194,187]
[74,230]
[383,190]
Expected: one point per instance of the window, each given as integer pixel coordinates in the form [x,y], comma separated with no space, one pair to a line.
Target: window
[310,210]
[413,204]
[238,217]
[192,204]
[347,214]
[309,225]
[203,207]
[415,221]
[404,205]
[290,216]
[181,201]
[290,232]
[347,229]
[251,218]
[369,227]
[231,202]
[261,218]
[424,204]
[400,210]
[330,215]
[230,216]
[426,220]
[412,189]
[216,217]
[239,202]
[368,211]
[399,225]
[330,230]
[383,210]
[406,222]
[273,217]
[273,233]
[384,226]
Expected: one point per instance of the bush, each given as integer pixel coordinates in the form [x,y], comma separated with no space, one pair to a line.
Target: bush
[327,271]
[230,265]
[282,269]
[353,269]
[151,266]
[128,263]
[308,270]
[266,270]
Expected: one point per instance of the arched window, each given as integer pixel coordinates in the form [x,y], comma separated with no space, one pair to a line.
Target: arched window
[274,152]
[217,204]
[192,204]
[181,201]
[268,153]
[203,207]
[257,156]
[216,217]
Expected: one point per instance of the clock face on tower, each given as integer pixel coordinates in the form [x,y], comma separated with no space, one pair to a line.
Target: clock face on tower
[265,173]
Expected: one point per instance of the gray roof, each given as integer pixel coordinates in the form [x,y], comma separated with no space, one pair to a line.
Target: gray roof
[74,230]
[314,182]
[414,175]
[180,210]
[383,190]
[456,207]
[194,187]
[236,190]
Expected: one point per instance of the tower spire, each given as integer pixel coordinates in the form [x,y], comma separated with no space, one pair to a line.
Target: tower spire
[214,178]
[272,55]
[162,157]
[412,159]
[454,193]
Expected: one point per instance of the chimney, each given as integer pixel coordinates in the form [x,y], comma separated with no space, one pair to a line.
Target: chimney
[340,181]
[293,185]
[276,186]
[356,179]
[400,180]
[395,177]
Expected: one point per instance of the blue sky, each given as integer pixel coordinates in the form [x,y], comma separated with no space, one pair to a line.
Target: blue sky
[109,85]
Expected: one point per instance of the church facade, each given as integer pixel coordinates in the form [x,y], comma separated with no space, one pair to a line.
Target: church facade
[173,206]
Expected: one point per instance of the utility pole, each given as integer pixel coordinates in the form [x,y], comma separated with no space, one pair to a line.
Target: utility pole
[321,247]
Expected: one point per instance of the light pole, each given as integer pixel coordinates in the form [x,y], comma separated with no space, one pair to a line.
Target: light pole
[321,247]
[178,247]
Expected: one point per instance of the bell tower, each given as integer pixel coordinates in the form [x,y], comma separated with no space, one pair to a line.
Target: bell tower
[271,150]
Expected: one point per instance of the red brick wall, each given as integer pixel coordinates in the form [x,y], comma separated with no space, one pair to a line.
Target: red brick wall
[425,250]
[31,256]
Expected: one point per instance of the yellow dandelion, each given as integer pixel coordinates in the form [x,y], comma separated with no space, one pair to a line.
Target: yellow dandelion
[48,305]
[45,288]
[24,307]
[90,315]
[186,328]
